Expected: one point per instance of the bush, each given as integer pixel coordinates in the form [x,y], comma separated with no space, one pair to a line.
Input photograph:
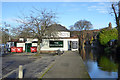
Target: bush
[106,35]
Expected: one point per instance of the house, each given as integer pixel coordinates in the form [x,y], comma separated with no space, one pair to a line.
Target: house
[26,44]
[62,40]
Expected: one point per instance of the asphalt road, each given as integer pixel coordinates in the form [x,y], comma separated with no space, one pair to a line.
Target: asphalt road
[33,65]
[11,62]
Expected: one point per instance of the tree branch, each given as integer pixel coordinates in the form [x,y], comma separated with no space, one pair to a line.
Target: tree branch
[116,17]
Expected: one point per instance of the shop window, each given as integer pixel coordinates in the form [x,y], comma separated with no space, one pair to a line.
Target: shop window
[74,44]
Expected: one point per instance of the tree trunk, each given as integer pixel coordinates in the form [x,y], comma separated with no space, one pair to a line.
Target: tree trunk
[119,36]
[79,45]
[118,26]
[83,44]
[39,46]
[119,71]
[82,40]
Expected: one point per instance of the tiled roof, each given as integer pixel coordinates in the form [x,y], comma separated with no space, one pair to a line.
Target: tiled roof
[58,27]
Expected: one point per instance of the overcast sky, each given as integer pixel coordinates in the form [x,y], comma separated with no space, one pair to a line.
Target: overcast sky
[97,12]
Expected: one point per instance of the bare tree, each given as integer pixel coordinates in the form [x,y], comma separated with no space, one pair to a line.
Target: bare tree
[22,32]
[71,27]
[81,26]
[116,12]
[38,24]
[5,36]
[6,32]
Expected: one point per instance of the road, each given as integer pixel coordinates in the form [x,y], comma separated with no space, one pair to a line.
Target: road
[11,62]
[32,65]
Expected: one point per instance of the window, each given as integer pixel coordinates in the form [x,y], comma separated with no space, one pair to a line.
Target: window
[74,44]
[55,43]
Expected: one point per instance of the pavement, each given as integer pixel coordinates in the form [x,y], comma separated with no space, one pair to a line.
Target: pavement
[68,65]
[32,65]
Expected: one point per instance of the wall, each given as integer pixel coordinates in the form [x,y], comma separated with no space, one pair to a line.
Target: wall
[45,45]
[29,39]
[63,34]
[34,44]
[35,40]
[60,34]
[21,39]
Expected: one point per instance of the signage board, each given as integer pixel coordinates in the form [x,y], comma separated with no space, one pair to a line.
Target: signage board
[55,43]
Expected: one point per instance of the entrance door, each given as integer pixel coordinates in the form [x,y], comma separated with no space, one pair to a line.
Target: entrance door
[27,47]
[69,45]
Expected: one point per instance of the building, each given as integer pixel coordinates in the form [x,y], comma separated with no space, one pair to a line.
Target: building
[61,41]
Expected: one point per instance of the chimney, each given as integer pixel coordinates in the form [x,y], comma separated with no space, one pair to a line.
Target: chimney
[110,25]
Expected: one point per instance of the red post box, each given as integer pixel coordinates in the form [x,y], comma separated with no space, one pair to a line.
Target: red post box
[19,49]
[13,49]
[33,49]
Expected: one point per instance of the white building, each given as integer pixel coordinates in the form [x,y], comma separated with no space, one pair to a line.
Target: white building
[63,41]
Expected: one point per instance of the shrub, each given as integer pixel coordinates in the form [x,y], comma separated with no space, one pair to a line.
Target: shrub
[106,35]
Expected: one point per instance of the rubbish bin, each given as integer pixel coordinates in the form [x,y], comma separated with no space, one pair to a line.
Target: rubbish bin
[13,49]
[33,49]
[19,49]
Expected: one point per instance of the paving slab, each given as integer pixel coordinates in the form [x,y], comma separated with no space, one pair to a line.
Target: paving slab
[68,65]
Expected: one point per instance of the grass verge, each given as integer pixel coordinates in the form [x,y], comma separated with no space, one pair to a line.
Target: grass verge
[47,71]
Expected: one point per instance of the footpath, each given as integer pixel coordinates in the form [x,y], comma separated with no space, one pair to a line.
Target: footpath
[68,65]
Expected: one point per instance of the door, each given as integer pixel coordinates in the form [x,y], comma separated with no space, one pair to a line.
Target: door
[27,47]
[69,45]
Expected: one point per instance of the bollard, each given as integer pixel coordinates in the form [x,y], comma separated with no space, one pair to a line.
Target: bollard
[20,71]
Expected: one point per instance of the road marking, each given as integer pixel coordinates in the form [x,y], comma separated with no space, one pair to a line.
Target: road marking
[9,73]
